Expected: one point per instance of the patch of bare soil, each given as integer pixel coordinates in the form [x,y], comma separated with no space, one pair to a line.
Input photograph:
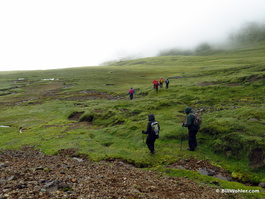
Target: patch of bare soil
[254,78]
[30,174]
[178,77]
[207,83]
[90,95]
[75,116]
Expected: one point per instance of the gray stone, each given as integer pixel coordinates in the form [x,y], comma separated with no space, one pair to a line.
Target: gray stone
[262,184]
[49,185]
[3,165]
[12,178]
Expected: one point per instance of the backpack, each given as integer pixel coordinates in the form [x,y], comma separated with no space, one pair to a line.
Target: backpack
[155,128]
[131,91]
[197,120]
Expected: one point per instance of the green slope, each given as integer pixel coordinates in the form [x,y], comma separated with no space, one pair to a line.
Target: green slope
[87,108]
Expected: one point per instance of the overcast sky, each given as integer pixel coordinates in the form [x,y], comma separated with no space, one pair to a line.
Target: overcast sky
[44,34]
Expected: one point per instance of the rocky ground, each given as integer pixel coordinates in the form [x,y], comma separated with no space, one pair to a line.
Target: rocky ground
[28,174]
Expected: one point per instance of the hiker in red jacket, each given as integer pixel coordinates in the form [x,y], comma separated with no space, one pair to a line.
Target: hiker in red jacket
[131,92]
[155,82]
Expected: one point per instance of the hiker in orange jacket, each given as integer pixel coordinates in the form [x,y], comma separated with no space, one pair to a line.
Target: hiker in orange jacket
[161,81]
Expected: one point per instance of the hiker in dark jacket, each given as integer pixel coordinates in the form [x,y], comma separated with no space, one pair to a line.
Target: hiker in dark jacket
[167,83]
[151,136]
[193,129]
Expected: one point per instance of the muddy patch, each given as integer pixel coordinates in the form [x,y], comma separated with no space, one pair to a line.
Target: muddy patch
[203,167]
[256,158]
[176,77]
[234,84]
[87,118]
[254,78]
[207,83]
[75,116]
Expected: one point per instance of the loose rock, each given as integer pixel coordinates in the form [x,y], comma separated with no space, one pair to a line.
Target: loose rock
[85,179]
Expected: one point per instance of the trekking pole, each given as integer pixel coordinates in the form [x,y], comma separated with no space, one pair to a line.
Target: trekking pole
[143,145]
[181,134]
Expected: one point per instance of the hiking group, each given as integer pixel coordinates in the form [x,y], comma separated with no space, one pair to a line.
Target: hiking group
[193,123]
[160,83]
[156,84]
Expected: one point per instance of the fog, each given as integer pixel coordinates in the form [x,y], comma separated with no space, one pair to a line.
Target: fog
[52,34]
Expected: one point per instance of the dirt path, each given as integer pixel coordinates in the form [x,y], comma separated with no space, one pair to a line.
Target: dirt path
[30,174]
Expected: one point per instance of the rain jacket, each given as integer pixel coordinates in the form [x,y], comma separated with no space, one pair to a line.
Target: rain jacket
[190,120]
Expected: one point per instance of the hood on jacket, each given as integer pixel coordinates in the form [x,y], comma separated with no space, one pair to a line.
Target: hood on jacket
[151,117]
[188,110]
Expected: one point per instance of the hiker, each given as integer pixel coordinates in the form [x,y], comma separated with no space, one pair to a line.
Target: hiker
[161,81]
[193,129]
[156,84]
[167,82]
[151,134]
[131,92]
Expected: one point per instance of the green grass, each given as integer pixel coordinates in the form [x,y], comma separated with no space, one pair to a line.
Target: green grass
[228,87]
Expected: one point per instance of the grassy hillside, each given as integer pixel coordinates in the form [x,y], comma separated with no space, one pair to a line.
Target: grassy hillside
[87,109]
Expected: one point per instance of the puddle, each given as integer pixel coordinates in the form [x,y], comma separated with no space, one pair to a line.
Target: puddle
[212,173]
[3,126]
[223,177]
[202,171]
[50,79]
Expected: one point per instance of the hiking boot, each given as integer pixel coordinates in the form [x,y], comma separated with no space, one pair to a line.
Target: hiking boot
[189,149]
